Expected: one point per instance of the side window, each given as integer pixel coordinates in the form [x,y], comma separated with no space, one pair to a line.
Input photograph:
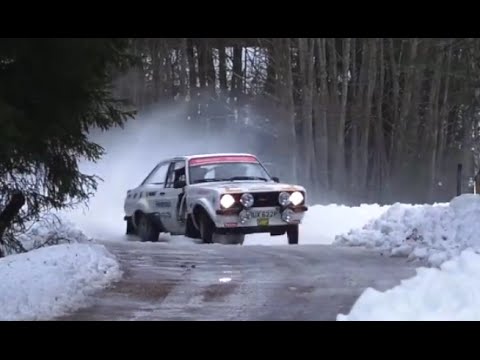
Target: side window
[157,177]
[176,172]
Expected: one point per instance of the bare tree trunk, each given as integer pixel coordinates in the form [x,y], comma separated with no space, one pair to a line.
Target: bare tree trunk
[395,74]
[380,149]
[356,118]
[444,109]
[135,74]
[306,70]
[139,76]
[237,71]
[332,114]
[192,71]
[211,75]
[222,75]
[401,125]
[159,55]
[340,135]
[183,67]
[435,126]
[333,70]
[365,129]
[354,80]
[202,63]
[321,137]
[290,107]
[271,74]
[7,215]
[281,58]
[471,58]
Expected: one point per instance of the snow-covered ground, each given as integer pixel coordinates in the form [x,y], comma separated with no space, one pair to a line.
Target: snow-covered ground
[61,269]
[53,280]
[447,236]
[320,225]
[48,282]
[451,293]
[434,233]
[323,222]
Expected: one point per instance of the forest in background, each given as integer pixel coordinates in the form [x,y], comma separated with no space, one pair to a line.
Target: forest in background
[352,119]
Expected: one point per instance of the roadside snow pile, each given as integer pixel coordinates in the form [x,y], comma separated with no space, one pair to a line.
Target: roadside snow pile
[323,222]
[331,220]
[52,232]
[449,294]
[49,282]
[434,233]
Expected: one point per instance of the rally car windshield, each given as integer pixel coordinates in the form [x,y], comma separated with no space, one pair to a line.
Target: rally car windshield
[228,172]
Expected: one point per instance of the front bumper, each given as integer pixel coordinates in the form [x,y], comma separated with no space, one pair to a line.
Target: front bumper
[261,219]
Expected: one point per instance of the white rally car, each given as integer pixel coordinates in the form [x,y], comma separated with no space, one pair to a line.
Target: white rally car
[216,198]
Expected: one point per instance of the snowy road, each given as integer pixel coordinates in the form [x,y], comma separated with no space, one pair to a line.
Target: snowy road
[215,282]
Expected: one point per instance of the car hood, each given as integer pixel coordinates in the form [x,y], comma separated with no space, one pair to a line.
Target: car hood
[248,186]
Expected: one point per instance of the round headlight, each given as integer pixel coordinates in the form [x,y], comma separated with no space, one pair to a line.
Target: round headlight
[284,198]
[247,200]
[296,198]
[244,216]
[287,215]
[227,201]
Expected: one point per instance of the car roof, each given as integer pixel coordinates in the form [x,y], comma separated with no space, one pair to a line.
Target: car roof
[196,156]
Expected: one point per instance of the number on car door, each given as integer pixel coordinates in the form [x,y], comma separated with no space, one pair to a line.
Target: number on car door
[173,196]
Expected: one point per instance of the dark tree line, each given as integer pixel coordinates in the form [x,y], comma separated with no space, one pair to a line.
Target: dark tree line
[356,119]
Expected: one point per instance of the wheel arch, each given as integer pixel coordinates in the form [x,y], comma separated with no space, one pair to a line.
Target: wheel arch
[197,211]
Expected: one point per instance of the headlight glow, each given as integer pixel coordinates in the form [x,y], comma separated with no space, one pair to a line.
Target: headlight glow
[227,201]
[247,200]
[296,198]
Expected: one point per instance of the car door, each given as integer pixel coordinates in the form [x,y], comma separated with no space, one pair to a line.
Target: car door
[173,194]
[152,188]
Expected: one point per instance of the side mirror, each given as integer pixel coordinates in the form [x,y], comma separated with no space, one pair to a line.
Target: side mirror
[276,179]
[179,184]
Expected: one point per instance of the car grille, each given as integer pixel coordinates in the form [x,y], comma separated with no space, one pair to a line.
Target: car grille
[265,199]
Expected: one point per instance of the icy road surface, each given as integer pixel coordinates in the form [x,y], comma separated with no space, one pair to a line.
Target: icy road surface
[218,282]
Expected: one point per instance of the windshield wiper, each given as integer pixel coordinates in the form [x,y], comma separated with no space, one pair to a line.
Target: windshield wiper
[247,178]
[230,179]
[207,180]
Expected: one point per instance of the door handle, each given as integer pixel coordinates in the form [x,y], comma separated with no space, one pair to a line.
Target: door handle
[162,193]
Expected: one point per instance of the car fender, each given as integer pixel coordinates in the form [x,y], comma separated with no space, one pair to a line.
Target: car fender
[141,205]
[205,205]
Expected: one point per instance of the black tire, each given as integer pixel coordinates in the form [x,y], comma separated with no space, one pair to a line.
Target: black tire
[207,228]
[292,234]
[191,231]
[130,227]
[146,230]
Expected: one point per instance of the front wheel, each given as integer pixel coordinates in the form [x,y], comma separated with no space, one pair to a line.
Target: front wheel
[130,227]
[146,230]
[207,229]
[292,234]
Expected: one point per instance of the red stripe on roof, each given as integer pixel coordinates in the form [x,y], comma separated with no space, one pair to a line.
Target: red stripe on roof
[222,159]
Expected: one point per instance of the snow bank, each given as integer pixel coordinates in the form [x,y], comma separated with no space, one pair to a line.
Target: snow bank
[323,222]
[52,231]
[449,294]
[434,233]
[320,225]
[51,281]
